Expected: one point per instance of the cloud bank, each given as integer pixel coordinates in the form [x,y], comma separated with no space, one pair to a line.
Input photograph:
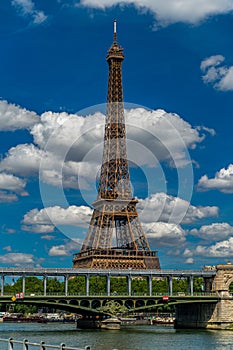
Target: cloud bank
[169,11]
[160,231]
[169,209]
[222,181]
[11,187]
[214,232]
[67,148]
[46,219]
[13,117]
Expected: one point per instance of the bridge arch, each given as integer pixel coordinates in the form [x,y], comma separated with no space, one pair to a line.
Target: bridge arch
[150,302]
[129,303]
[85,303]
[95,304]
[229,282]
[140,303]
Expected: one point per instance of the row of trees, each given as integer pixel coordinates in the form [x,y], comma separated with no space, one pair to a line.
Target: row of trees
[97,285]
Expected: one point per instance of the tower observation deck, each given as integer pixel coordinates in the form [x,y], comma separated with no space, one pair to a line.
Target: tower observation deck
[115,238]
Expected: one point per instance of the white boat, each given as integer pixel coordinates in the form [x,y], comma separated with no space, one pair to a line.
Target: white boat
[111,323]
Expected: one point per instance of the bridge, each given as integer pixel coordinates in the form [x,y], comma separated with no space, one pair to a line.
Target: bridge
[129,274]
[213,308]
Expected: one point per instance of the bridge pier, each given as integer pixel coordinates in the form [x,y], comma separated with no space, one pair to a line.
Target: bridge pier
[213,315]
[149,283]
[23,283]
[108,285]
[205,315]
[191,285]
[45,284]
[87,284]
[193,315]
[2,284]
[170,285]
[129,285]
[66,284]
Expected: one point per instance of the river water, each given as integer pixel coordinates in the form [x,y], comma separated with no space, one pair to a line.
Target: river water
[131,338]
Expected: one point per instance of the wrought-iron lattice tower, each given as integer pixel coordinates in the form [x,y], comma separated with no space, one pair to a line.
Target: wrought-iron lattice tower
[115,238]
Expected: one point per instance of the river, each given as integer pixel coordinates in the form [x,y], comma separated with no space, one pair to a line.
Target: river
[132,338]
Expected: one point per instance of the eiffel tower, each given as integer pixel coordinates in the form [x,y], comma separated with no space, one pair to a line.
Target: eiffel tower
[115,239]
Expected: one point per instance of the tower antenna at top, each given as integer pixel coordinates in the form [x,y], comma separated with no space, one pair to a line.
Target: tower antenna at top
[115,31]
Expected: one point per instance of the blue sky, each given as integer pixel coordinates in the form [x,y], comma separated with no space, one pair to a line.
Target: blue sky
[178,86]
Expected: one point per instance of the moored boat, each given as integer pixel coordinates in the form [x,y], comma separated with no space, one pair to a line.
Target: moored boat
[111,323]
[163,320]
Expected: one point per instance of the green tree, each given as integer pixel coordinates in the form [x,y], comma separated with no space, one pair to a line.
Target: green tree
[33,285]
[198,284]
[55,286]
[14,287]
[160,285]
[97,285]
[119,285]
[180,285]
[77,285]
[25,309]
[139,286]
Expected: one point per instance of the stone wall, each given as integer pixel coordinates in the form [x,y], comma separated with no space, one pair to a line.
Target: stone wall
[222,317]
[214,315]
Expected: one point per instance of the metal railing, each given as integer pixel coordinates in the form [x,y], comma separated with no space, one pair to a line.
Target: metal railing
[112,294]
[26,345]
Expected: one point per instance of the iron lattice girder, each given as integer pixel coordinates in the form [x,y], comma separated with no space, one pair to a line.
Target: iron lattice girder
[115,223]
[117,259]
[114,178]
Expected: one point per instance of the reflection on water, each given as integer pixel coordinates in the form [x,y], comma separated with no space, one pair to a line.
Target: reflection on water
[131,338]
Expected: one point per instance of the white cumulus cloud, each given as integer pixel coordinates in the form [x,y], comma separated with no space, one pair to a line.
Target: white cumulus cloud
[67,148]
[17,259]
[64,249]
[223,181]
[166,208]
[223,249]
[165,234]
[75,136]
[213,232]
[217,74]
[13,117]
[27,8]
[166,135]
[46,219]
[12,183]
[24,160]
[170,11]
[189,261]
[6,197]
[11,187]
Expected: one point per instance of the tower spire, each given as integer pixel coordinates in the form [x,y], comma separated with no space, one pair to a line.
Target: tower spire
[115,32]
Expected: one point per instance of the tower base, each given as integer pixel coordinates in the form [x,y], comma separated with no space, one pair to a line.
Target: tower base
[117,259]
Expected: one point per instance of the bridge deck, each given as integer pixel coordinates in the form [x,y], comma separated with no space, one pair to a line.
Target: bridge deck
[112,272]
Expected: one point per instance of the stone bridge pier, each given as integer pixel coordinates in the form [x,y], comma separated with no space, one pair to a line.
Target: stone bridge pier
[216,314]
